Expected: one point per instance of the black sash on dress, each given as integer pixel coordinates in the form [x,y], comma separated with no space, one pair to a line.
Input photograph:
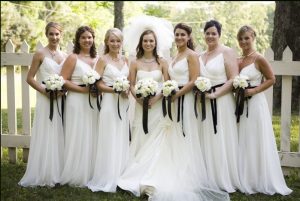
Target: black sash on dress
[240,99]
[180,110]
[213,104]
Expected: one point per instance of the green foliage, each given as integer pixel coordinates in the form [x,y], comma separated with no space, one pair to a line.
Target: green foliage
[158,11]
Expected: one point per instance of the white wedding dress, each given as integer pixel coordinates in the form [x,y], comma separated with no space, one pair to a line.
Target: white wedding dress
[259,165]
[113,139]
[220,149]
[80,132]
[164,164]
[45,161]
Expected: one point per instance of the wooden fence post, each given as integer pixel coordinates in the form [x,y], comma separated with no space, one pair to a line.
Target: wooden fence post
[25,101]
[11,102]
[286,98]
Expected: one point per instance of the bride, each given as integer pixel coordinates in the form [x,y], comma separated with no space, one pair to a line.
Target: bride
[164,164]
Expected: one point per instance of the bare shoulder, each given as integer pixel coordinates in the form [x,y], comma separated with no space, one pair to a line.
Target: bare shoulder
[163,61]
[192,54]
[260,60]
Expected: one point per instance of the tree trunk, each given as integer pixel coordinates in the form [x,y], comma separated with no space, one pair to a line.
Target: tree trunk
[287,33]
[118,12]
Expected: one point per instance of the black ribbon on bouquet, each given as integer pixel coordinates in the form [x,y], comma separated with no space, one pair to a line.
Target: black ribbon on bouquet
[145,111]
[213,104]
[180,110]
[93,89]
[240,99]
[169,108]
[202,101]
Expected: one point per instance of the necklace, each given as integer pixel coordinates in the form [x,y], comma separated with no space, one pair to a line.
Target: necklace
[249,54]
[148,60]
[52,53]
[116,59]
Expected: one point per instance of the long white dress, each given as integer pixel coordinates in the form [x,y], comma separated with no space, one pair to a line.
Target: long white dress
[164,167]
[80,131]
[220,149]
[113,139]
[45,160]
[259,165]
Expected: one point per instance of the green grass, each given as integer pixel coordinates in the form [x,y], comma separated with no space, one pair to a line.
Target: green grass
[12,173]
[11,191]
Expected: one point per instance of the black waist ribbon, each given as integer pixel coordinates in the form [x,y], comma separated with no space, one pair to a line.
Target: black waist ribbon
[213,104]
[240,99]
[180,110]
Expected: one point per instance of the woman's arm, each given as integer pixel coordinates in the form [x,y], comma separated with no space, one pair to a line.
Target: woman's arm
[232,70]
[193,62]
[265,68]
[67,71]
[34,67]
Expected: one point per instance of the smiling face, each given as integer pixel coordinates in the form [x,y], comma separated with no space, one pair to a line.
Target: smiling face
[114,43]
[53,36]
[246,40]
[86,40]
[212,36]
[181,37]
[148,42]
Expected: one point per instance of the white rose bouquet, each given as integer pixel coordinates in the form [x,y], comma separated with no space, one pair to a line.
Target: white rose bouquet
[169,88]
[54,84]
[240,83]
[90,79]
[146,88]
[203,85]
[121,84]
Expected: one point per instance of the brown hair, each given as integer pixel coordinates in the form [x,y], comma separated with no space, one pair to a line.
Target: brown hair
[117,32]
[139,49]
[188,29]
[246,28]
[80,31]
[52,24]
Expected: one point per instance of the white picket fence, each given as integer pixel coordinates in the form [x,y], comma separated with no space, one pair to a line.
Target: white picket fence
[9,59]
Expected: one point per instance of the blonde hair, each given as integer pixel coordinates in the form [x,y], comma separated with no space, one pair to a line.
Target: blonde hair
[115,31]
[246,28]
[52,24]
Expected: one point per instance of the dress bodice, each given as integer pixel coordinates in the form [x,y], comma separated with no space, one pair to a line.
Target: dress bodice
[155,75]
[111,73]
[81,68]
[254,75]
[180,72]
[214,69]
[47,68]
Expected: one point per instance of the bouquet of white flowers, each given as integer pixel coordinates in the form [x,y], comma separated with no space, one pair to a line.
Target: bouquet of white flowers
[90,79]
[121,84]
[146,88]
[169,88]
[203,85]
[240,81]
[54,83]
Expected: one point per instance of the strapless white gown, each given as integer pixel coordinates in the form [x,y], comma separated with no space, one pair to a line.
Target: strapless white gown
[259,165]
[113,139]
[80,131]
[45,161]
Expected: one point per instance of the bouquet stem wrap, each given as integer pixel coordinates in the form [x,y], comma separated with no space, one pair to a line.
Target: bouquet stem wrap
[240,99]
[213,104]
[145,114]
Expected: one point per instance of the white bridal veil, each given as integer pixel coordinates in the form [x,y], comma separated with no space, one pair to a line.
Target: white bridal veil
[163,30]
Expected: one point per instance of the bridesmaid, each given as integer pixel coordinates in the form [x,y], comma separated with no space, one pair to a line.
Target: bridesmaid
[45,160]
[113,130]
[81,119]
[218,132]
[259,164]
